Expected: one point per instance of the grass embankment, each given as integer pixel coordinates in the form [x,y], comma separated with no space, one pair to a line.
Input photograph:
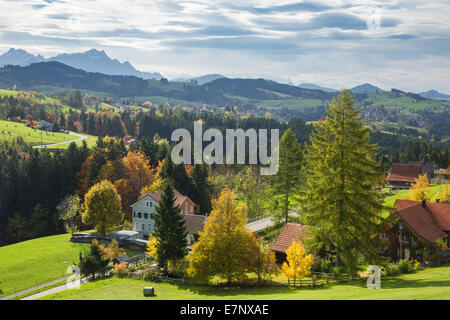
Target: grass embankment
[34,262]
[430,283]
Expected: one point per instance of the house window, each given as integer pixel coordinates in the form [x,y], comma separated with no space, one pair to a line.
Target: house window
[151,204]
[148,203]
[139,215]
[143,227]
[146,215]
[192,209]
[413,239]
[137,226]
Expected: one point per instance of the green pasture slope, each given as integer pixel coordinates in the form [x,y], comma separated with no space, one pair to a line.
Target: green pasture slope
[430,283]
[10,130]
[29,263]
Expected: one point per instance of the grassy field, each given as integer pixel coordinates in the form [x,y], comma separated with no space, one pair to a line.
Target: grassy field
[9,130]
[390,197]
[33,262]
[431,283]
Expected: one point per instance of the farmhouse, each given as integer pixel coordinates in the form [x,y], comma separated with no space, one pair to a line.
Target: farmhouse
[146,205]
[401,175]
[427,167]
[291,232]
[417,228]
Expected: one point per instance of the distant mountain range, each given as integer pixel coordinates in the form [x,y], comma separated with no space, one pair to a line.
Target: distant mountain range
[91,61]
[364,88]
[435,95]
[315,87]
[201,80]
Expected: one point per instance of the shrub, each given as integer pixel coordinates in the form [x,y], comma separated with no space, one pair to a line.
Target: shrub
[404,266]
[326,266]
[391,269]
[121,269]
[415,264]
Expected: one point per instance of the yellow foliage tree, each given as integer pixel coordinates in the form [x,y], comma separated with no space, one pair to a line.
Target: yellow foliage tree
[298,265]
[224,247]
[419,190]
[103,207]
[152,247]
[445,194]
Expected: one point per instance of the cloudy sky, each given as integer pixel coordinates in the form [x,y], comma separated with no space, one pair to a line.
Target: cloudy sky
[335,43]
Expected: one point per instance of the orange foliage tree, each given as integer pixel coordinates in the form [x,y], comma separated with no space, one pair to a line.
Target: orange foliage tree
[137,174]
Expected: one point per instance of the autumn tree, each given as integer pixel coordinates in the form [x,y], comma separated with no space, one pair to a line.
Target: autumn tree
[298,264]
[103,207]
[419,189]
[445,194]
[224,246]
[170,229]
[152,247]
[111,250]
[137,174]
[262,260]
[254,191]
[341,203]
[70,209]
[287,181]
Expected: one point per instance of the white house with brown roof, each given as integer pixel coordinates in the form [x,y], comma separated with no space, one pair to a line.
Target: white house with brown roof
[146,205]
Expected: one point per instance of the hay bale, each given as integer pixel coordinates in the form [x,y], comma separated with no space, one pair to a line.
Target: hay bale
[149,291]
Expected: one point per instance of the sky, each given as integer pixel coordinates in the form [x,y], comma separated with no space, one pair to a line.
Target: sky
[335,43]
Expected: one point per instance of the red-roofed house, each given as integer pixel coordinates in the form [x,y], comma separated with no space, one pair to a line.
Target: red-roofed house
[146,205]
[417,225]
[402,175]
[291,232]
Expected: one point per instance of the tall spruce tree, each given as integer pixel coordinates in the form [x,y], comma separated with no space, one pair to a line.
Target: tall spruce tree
[287,181]
[170,229]
[339,198]
[202,188]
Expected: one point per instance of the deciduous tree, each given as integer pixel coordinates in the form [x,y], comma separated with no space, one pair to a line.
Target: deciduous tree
[103,207]
[419,189]
[298,264]
[223,247]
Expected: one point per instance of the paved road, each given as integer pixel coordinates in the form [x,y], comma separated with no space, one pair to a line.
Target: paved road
[80,138]
[260,224]
[34,288]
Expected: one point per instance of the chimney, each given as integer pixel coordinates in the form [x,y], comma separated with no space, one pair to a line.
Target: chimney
[437,200]
[424,201]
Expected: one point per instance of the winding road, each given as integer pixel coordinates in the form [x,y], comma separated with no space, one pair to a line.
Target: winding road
[80,138]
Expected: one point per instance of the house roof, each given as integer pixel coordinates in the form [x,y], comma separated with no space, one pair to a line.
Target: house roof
[194,223]
[179,198]
[290,232]
[427,167]
[428,220]
[404,172]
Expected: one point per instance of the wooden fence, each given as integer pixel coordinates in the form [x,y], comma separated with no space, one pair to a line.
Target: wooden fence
[320,278]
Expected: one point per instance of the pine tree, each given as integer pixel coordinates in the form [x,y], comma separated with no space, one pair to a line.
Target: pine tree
[286,183]
[202,188]
[339,198]
[170,229]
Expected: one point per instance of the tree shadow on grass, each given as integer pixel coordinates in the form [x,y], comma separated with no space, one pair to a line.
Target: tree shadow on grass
[237,290]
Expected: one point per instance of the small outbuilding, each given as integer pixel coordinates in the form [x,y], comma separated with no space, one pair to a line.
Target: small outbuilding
[291,232]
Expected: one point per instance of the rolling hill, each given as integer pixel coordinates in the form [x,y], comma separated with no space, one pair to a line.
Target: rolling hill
[394,111]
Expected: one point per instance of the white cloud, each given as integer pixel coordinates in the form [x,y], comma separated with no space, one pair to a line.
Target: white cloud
[325,42]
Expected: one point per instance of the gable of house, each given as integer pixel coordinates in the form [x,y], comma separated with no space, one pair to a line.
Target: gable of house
[429,221]
[403,174]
